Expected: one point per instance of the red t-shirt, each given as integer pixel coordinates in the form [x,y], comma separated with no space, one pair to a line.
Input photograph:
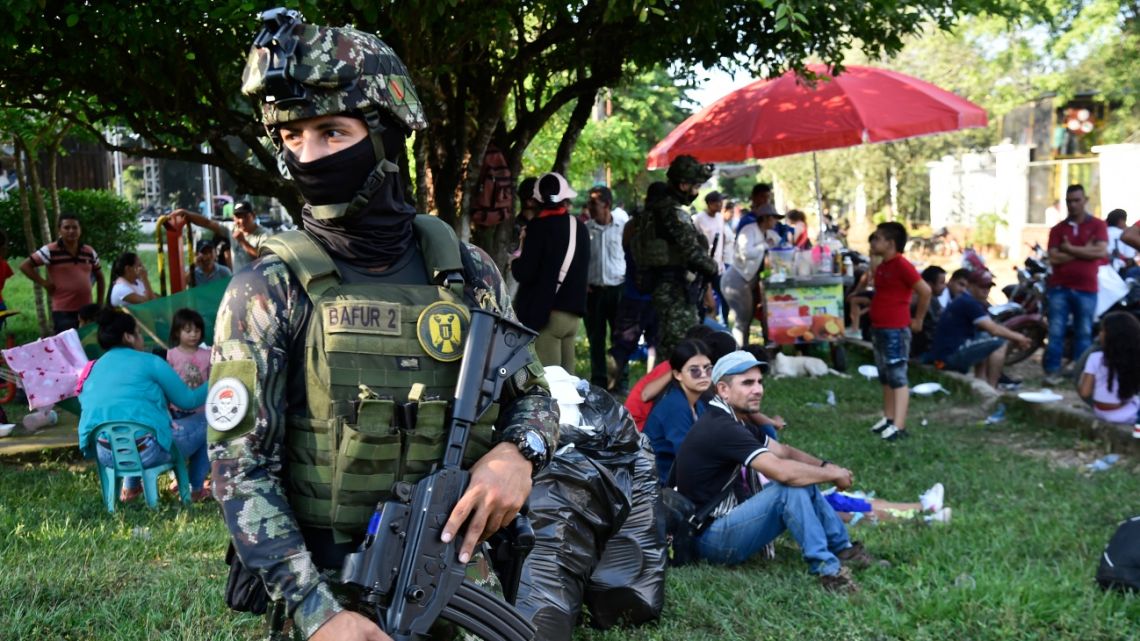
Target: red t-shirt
[5,274]
[638,408]
[71,275]
[1077,274]
[894,283]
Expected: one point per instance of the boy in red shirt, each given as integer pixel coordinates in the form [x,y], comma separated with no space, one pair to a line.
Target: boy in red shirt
[891,324]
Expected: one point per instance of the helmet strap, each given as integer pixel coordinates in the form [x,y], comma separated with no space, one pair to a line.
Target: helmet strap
[383,165]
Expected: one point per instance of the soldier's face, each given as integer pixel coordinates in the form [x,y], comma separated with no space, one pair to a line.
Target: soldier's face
[314,138]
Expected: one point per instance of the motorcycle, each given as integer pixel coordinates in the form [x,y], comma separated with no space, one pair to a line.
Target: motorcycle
[1024,311]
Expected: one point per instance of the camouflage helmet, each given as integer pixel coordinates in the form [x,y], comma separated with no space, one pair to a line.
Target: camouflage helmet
[686,169]
[298,71]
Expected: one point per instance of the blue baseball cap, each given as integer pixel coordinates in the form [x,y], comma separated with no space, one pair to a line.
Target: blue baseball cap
[734,363]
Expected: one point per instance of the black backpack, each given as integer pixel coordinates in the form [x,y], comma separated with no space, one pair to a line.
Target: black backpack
[684,521]
[1120,564]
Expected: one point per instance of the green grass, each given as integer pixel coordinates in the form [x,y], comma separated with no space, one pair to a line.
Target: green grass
[1017,562]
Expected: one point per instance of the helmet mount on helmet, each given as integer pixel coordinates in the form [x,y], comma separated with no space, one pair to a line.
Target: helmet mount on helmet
[277,34]
[298,71]
[687,169]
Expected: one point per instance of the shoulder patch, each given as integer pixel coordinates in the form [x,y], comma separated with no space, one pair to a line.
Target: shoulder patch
[227,403]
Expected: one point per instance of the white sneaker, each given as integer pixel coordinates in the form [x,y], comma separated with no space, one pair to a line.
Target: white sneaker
[893,433]
[941,516]
[881,425]
[932,499]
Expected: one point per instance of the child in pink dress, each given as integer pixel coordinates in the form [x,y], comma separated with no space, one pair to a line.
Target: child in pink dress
[191,360]
[189,357]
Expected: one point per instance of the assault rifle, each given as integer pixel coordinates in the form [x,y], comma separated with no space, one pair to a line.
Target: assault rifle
[404,570]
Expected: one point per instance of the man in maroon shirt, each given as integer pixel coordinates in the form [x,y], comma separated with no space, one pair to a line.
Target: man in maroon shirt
[1077,245]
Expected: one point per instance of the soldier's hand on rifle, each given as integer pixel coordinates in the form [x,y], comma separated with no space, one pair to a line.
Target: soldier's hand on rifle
[500,484]
[349,626]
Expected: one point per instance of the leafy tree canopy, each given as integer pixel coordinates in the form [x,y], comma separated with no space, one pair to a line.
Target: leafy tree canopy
[170,71]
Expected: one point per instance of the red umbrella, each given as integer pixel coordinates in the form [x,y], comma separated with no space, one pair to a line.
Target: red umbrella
[786,116]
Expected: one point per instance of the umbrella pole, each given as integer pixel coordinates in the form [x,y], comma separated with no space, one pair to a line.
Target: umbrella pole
[818,195]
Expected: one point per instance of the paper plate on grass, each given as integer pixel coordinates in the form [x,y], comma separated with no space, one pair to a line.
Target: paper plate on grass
[1042,396]
[870,371]
[928,389]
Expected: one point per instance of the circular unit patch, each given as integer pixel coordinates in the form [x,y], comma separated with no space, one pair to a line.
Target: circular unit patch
[226,404]
[441,328]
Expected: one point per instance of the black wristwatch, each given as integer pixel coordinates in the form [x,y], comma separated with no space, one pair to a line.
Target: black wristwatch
[532,445]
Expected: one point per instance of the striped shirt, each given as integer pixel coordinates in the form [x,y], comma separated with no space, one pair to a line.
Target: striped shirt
[71,274]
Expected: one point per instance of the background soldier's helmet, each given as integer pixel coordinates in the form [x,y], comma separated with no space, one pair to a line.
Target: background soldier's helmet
[686,169]
[298,71]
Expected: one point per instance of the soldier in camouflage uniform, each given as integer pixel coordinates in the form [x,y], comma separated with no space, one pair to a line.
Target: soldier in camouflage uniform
[673,253]
[319,342]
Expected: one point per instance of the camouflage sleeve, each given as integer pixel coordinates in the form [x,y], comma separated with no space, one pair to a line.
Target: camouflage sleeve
[526,400]
[693,245]
[262,312]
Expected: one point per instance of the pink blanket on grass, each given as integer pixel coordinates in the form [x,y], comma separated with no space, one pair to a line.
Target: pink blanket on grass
[49,368]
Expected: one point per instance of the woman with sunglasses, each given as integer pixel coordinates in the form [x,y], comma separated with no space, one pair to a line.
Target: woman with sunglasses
[675,412]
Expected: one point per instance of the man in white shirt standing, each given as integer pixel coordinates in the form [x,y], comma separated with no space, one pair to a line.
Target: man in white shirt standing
[720,237]
[606,278]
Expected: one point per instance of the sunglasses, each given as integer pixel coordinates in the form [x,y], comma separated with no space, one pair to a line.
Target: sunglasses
[698,371]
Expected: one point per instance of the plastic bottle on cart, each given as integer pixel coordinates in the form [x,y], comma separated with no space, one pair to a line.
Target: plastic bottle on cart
[826,262]
[848,266]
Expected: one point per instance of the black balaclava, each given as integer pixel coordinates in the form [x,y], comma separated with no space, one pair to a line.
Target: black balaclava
[683,197]
[380,233]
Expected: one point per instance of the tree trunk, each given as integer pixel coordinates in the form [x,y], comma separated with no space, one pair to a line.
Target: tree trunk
[38,194]
[423,174]
[23,162]
[578,119]
[53,174]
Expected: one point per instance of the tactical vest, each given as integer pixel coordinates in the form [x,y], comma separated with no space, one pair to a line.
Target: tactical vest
[651,250]
[365,346]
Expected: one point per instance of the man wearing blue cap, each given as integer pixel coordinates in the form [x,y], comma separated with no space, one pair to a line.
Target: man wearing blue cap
[722,441]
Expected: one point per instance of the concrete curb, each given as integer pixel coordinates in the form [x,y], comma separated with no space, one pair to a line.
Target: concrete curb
[1114,436]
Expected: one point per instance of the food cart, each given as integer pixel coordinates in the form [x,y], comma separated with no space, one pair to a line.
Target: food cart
[805,310]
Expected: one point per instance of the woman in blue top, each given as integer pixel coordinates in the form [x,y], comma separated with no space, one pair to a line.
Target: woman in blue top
[128,384]
[676,411]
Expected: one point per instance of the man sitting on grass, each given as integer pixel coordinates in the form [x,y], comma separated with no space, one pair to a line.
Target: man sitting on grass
[720,442]
[958,344]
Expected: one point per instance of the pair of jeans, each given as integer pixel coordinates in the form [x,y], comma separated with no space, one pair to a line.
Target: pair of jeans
[892,350]
[1063,303]
[602,302]
[188,435]
[803,511]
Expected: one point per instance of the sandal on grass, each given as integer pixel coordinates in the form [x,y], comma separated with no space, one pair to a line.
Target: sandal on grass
[128,494]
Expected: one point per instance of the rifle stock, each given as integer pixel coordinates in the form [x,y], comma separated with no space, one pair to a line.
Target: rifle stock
[403,568]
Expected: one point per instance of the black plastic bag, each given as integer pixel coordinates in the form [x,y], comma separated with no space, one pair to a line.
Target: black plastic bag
[628,584]
[1120,564]
[575,507]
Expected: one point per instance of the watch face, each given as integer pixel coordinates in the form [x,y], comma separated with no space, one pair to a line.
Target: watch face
[535,443]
